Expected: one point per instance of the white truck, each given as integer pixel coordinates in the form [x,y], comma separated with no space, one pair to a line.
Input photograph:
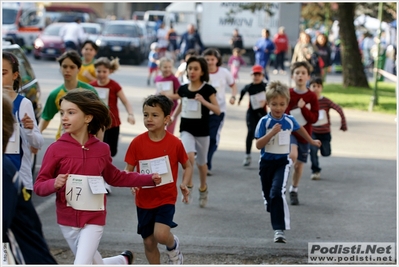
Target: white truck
[216,27]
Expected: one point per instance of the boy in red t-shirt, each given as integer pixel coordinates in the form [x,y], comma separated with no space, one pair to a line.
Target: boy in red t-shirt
[159,150]
[304,106]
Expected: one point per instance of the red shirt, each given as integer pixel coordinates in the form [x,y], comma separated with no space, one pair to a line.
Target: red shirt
[281,43]
[311,115]
[143,148]
[114,89]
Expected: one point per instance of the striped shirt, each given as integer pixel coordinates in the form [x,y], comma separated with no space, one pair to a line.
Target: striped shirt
[327,104]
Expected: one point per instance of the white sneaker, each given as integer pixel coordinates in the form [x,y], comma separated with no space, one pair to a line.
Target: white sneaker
[203,198]
[108,188]
[247,161]
[315,176]
[279,236]
[175,256]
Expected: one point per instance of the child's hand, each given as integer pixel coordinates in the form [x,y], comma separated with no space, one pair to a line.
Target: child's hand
[27,122]
[232,100]
[316,143]
[200,98]
[134,190]
[343,128]
[33,150]
[60,181]
[185,192]
[276,128]
[301,103]
[156,178]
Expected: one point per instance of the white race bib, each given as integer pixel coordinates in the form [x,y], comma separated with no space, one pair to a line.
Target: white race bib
[159,165]
[166,87]
[191,108]
[103,94]
[13,143]
[280,143]
[258,100]
[85,192]
[297,114]
[322,118]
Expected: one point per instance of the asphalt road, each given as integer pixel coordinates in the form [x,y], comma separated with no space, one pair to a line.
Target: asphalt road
[355,201]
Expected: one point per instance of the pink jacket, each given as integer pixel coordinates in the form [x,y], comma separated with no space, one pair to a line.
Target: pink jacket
[281,43]
[66,155]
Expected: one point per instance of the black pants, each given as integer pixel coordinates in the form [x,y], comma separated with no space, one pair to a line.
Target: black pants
[111,137]
[252,120]
[279,62]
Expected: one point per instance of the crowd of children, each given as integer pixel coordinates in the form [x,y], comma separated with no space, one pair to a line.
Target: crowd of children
[297,124]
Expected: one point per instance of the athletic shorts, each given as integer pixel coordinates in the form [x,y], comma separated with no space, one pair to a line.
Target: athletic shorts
[148,217]
[196,144]
[303,149]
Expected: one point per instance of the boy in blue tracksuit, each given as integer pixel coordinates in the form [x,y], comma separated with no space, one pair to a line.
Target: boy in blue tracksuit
[272,136]
[263,48]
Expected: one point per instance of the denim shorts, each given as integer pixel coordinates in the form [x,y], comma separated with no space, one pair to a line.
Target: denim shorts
[303,149]
[148,217]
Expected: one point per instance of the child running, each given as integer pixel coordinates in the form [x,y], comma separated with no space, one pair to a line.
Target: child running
[235,62]
[220,79]
[87,72]
[70,63]
[27,137]
[304,107]
[273,139]
[167,84]
[75,168]
[153,58]
[256,108]
[321,129]
[158,150]
[181,72]
[198,99]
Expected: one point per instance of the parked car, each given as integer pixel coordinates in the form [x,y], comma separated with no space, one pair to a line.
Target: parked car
[123,39]
[49,43]
[72,16]
[92,30]
[30,86]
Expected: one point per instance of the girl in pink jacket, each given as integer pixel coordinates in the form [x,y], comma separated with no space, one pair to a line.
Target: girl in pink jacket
[75,168]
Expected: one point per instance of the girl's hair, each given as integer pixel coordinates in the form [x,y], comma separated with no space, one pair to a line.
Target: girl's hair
[15,68]
[112,65]
[72,55]
[8,120]
[90,104]
[316,80]
[298,64]
[204,67]
[277,88]
[164,60]
[213,52]
[93,44]
[159,100]
[191,52]
[238,51]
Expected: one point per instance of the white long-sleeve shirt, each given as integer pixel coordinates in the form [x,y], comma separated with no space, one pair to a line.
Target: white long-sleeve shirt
[74,32]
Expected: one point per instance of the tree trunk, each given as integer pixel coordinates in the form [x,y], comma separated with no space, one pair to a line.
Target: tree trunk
[352,66]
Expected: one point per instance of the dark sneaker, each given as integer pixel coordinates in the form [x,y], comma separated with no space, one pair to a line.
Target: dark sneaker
[279,236]
[294,198]
[128,256]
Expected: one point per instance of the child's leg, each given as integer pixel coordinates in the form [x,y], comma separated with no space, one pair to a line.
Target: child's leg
[279,212]
[215,128]
[266,178]
[188,141]
[325,140]
[293,156]
[201,146]
[151,250]
[314,158]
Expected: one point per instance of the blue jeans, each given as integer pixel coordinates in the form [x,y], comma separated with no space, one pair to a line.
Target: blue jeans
[325,150]
[215,127]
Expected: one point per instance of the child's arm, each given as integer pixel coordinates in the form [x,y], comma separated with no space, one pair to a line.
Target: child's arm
[233,93]
[213,105]
[187,176]
[128,107]
[45,183]
[177,112]
[307,137]
[87,74]
[334,106]
[262,142]
[242,93]
[34,137]
[311,115]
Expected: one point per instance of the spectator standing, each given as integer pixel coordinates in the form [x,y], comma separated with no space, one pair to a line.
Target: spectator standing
[305,51]
[190,40]
[324,51]
[263,48]
[172,39]
[236,40]
[73,35]
[282,44]
[162,40]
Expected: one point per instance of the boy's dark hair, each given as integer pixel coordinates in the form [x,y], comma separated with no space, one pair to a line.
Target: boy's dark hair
[93,44]
[15,68]
[316,80]
[213,52]
[72,55]
[159,100]
[298,64]
[204,67]
[90,104]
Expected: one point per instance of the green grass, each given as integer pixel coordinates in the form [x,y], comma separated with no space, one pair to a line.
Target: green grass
[359,98]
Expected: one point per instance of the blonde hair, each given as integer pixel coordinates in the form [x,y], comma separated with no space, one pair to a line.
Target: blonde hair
[163,60]
[112,65]
[277,88]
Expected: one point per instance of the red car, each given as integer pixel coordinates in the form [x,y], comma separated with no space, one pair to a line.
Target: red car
[49,43]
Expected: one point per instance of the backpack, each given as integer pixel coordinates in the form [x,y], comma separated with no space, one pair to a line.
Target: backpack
[17,158]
